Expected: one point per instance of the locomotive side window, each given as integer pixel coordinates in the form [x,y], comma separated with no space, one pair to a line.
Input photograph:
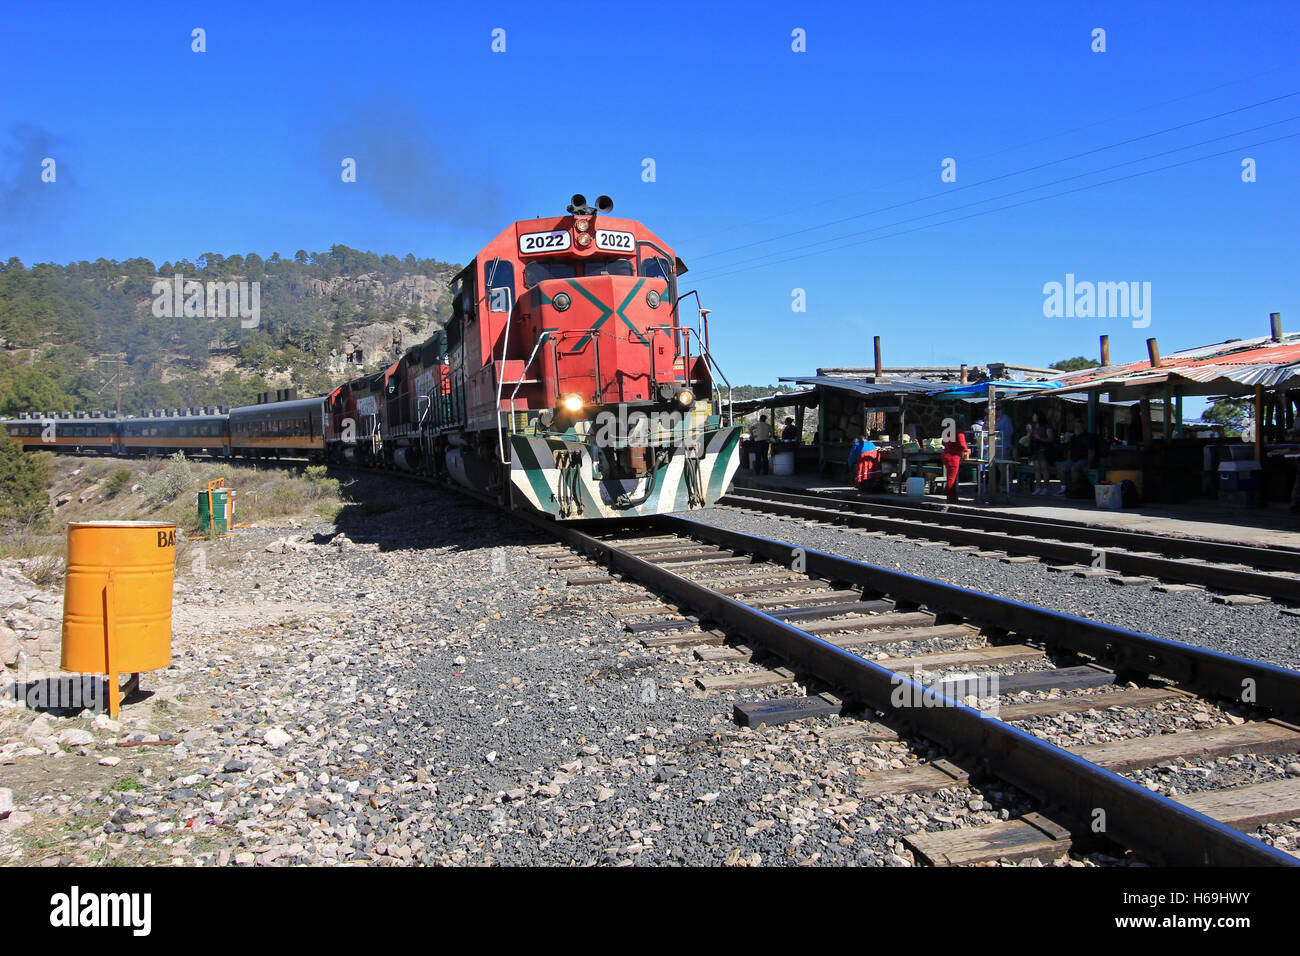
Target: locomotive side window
[656,268]
[539,271]
[499,280]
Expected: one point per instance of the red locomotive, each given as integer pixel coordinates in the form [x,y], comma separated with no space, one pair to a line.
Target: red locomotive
[565,381]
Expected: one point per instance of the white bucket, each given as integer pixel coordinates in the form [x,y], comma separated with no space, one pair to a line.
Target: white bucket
[783,463]
[915,487]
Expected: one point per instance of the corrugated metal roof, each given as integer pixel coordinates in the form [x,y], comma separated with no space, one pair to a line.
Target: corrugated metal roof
[892,386]
[743,406]
[1235,365]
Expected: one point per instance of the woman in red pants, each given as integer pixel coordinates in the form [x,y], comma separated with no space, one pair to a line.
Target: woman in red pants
[955,451]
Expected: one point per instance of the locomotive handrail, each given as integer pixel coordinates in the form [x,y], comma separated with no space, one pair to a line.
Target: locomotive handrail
[705,353]
[546,334]
[505,350]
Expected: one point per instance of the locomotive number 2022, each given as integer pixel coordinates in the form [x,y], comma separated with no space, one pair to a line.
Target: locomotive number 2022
[544,241]
[615,241]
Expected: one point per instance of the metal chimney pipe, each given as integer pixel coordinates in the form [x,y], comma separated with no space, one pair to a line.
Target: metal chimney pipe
[879,368]
[964,373]
[1275,325]
[1153,351]
[1105,350]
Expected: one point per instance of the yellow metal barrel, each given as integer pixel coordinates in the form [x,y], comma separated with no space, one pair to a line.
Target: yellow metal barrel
[117,599]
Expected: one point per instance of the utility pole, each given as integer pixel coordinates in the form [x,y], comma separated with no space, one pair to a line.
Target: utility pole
[116,378]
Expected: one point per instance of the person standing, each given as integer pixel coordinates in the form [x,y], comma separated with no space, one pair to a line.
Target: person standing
[761,436]
[955,451]
[1006,430]
[1294,457]
[1080,455]
[1042,441]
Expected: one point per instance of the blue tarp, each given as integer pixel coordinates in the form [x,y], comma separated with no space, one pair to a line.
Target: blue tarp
[981,389]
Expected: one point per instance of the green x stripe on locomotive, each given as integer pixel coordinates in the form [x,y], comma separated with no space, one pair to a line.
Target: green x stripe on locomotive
[606,312]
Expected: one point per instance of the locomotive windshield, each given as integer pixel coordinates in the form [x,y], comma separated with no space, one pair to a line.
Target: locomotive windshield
[539,271]
[608,267]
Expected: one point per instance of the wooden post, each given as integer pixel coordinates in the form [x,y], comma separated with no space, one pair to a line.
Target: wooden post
[991,475]
[1105,350]
[1259,423]
[1094,400]
[902,435]
[1146,422]
[1166,431]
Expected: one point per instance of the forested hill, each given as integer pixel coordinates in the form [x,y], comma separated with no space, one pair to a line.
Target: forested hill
[70,335]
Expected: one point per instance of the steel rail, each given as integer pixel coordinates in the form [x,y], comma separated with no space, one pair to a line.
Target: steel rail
[1156,827]
[1277,558]
[1268,686]
[1220,578]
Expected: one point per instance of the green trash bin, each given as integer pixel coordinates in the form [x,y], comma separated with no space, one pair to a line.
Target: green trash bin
[216,509]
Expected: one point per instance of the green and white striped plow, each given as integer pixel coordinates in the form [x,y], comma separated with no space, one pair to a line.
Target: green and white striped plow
[537,480]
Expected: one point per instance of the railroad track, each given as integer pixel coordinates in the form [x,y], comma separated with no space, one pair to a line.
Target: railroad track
[825,622]
[734,598]
[1239,573]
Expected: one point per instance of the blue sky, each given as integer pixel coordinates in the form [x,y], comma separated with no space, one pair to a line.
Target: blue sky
[168,153]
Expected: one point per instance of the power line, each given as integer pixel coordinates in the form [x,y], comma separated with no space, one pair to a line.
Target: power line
[993,179]
[1027,202]
[1015,192]
[1042,139]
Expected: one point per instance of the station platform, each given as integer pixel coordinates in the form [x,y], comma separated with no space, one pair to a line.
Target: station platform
[1270,526]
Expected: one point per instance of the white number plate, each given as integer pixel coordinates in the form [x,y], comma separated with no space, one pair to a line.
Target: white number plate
[531,242]
[615,241]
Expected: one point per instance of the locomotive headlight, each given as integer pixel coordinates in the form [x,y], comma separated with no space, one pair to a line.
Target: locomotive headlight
[686,398]
[582,225]
[561,301]
[652,299]
[572,403]
[584,239]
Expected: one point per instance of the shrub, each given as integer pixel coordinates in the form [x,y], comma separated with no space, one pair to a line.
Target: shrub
[43,571]
[319,486]
[116,482]
[22,482]
[168,482]
[286,498]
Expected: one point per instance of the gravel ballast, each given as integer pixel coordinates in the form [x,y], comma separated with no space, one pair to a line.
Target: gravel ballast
[1260,632]
[424,689]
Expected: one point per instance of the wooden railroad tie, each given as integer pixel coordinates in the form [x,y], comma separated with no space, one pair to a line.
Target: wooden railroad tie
[746,681]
